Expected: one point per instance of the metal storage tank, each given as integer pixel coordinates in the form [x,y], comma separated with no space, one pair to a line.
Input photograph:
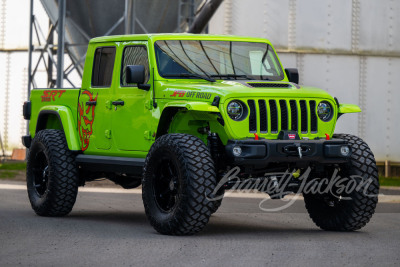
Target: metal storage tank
[351,48]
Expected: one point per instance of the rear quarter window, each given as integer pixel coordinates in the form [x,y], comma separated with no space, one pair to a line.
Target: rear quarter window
[103,66]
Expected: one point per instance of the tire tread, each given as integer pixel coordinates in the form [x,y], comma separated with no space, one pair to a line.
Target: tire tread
[358,212]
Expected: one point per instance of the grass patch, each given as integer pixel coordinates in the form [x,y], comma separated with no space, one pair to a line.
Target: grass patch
[389,181]
[7,174]
[17,166]
[10,170]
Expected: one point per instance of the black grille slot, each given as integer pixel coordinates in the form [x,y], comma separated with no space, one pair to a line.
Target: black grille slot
[263,116]
[270,85]
[293,111]
[253,116]
[274,116]
[304,118]
[284,115]
[314,122]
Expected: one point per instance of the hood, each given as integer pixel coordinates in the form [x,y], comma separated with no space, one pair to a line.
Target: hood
[206,91]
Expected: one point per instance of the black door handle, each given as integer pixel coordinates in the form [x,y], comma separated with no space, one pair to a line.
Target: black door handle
[118,103]
[91,103]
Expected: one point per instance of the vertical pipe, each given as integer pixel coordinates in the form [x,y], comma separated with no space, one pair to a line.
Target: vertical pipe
[23,98]
[179,15]
[50,64]
[61,44]
[133,26]
[30,48]
[387,168]
[126,16]
[130,16]
[7,99]
[191,12]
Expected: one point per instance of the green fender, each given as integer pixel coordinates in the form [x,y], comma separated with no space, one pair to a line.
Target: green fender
[196,106]
[197,112]
[67,120]
[348,108]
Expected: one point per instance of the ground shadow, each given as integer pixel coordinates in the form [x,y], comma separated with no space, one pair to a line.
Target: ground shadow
[219,225]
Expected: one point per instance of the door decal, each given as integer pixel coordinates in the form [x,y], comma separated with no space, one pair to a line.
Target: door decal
[87,116]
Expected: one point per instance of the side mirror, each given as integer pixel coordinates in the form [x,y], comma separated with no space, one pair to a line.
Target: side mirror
[293,75]
[136,74]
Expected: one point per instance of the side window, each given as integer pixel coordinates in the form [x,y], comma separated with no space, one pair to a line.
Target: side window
[134,55]
[103,66]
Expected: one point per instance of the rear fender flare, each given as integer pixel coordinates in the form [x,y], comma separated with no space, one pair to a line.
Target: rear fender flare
[66,122]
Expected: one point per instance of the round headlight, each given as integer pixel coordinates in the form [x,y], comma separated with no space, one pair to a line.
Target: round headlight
[237,110]
[325,111]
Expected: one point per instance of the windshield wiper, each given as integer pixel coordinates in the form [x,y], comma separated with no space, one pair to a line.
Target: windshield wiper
[194,75]
[231,76]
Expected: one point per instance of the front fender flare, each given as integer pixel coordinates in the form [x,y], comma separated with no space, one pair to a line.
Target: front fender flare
[194,105]
[172,108]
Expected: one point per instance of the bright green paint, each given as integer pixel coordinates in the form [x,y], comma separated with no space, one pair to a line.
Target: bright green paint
[130,130]
[65,106]
[195,106]
[349,108]
[68,126]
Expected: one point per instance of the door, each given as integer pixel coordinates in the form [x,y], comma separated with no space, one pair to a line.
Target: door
[132,116]
[94,107]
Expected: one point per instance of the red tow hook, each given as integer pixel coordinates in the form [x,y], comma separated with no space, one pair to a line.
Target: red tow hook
[327,137]
[256,136]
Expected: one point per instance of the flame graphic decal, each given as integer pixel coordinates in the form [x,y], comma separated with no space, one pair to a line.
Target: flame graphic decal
[87,116]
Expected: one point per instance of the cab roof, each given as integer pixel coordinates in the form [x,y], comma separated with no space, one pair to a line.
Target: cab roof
[175,36]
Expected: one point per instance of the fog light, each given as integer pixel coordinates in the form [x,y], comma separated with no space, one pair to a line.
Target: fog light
[237,151]
[345,151]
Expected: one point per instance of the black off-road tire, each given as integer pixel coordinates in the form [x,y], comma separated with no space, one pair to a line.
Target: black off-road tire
[178,182]
[349,215]
[217,203]
[52,175]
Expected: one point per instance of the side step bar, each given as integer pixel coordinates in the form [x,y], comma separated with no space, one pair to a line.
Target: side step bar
[133,166]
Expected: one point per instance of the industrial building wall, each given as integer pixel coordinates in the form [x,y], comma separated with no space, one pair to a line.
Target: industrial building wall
[351,48]
[14,36]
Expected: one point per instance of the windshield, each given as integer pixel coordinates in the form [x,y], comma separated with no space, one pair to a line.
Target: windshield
[217,59]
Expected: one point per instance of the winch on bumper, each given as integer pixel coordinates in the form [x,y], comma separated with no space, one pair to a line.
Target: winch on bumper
[260,153]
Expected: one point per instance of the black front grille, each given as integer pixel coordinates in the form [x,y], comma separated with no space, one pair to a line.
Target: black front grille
[284,115]
[252,117]
[314,121]
[293,110]
[263,116]
[289,115]
[274,116]
[270,85]
[304,119]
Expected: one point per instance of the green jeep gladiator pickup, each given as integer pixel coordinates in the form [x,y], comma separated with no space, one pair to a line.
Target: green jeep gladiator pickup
[175,114]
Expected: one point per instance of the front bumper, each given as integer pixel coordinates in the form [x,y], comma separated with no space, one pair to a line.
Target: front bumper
[261,153]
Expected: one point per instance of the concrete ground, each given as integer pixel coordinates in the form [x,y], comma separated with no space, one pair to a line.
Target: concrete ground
[108,227]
